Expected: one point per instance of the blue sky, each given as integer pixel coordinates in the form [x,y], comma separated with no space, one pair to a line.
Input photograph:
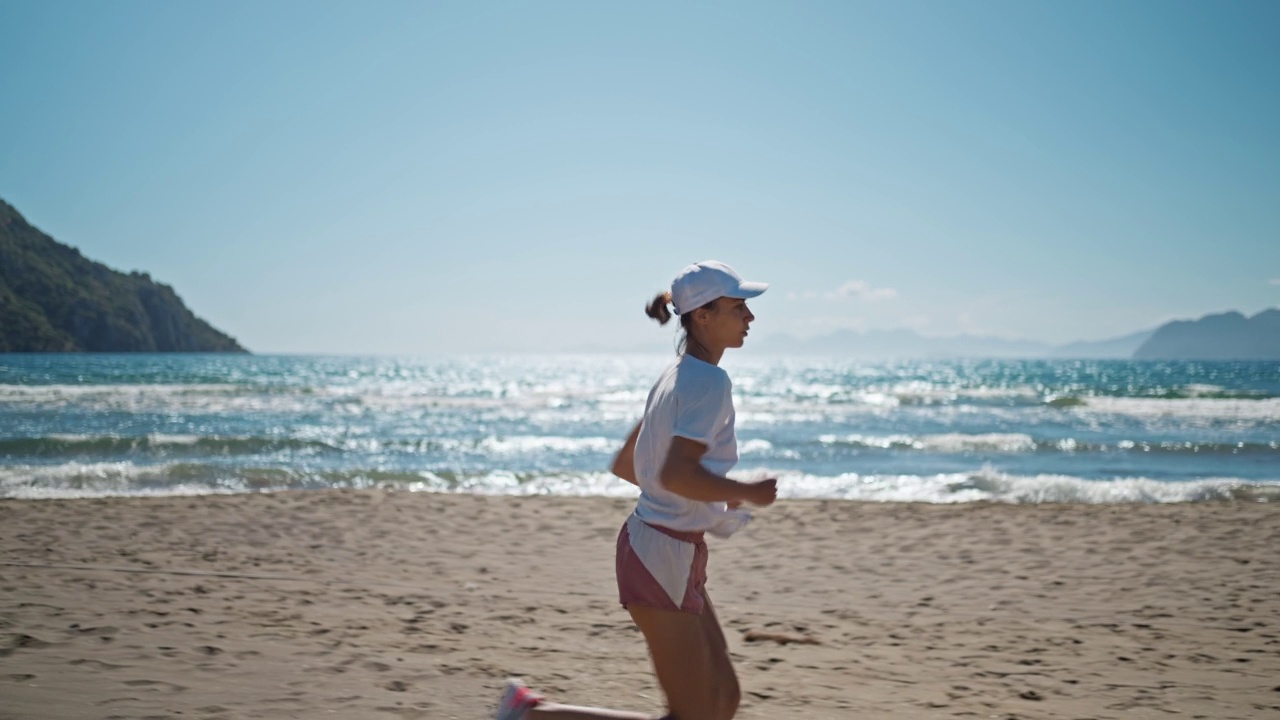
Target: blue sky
[417,177]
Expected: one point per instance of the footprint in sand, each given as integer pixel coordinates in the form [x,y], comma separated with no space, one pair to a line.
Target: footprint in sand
[418,712]
[102,632]
[112,701]
[158,685]
[23,642]
[97,664]
[430,649]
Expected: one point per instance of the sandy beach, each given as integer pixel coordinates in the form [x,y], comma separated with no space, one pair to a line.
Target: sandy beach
[379,604]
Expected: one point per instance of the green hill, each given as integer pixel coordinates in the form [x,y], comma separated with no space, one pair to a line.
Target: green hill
[53,299]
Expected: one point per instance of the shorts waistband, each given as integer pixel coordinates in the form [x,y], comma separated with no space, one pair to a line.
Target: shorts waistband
[688,536]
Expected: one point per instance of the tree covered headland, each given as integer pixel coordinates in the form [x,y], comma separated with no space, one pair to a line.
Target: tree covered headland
[53,299]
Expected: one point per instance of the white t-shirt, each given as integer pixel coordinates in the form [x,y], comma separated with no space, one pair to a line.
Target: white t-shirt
[692,399]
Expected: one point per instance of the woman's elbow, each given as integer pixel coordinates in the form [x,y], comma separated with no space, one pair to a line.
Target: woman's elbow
[624,470]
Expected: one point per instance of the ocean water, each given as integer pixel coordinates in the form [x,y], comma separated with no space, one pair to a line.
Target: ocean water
[927,431]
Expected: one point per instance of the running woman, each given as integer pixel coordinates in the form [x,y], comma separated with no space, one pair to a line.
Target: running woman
[679,455]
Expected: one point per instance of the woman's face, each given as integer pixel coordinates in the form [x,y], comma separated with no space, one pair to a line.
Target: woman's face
[725,323]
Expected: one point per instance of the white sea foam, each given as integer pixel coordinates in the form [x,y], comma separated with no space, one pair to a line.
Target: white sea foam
[535,444]
[600,484]
[754,446]
[73,437]
[759,447]
[764,414]
[906,393]
[163,439]
[942,443]
[104,479]
[215,398]
[928,394]
[1260,410]
[61,493]
[79,480]
[192,398]
[995,486]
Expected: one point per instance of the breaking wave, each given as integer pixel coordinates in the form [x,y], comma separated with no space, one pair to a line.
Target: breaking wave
[80,480]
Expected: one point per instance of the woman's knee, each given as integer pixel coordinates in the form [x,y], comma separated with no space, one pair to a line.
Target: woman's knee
[727,692]
[728,696]
[729,703]
[696,704]
[716,697]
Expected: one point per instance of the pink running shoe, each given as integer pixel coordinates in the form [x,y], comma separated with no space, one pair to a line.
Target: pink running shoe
[516,701]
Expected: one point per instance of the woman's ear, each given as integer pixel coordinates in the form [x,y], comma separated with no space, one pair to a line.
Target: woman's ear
[700,315]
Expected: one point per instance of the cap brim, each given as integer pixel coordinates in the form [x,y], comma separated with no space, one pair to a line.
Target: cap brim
[749,289]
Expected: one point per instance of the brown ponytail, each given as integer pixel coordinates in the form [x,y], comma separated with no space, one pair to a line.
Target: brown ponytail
[657,308]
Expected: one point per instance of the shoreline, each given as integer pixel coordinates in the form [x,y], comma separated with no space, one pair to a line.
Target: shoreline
[378,604]
[966,488]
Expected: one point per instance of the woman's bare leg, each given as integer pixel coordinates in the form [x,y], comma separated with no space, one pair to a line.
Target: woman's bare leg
[691,659]
[685,661]
[553,711]
[728,693]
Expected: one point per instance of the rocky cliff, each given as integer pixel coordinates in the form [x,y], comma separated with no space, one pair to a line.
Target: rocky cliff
[53,299]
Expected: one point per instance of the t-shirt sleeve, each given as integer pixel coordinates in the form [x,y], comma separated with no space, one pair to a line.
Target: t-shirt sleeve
[702,408]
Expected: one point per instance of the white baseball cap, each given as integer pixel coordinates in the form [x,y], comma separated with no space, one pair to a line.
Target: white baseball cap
[699,284]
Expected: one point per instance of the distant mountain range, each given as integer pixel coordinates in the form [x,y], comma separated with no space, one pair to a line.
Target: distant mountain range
[53,299]
[1226,336]
[901,343]
[1120,347]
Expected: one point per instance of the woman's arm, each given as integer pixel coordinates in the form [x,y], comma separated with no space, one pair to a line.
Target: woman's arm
[684,475]
[624,463]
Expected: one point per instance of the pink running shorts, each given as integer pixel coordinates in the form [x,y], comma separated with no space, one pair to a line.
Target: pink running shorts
[661,568]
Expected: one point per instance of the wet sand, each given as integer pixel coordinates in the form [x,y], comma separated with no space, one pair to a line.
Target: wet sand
[378,604]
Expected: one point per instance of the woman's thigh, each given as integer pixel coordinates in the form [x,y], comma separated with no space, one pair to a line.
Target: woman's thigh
[682,659]
[691,659]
